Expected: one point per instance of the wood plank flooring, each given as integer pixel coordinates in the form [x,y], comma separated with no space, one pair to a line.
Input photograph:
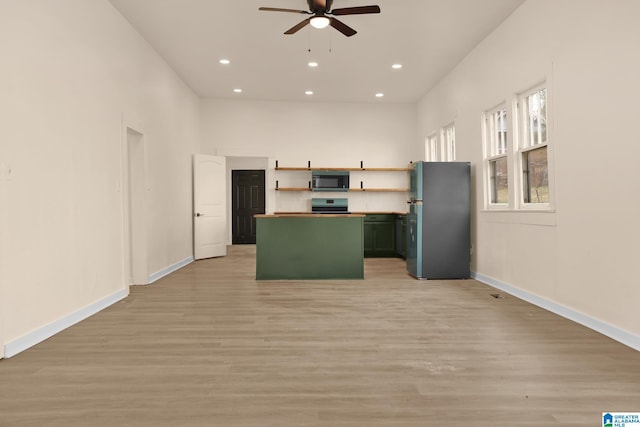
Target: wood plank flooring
[211,346]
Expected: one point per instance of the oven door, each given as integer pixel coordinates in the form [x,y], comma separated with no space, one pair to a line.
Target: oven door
[322,205]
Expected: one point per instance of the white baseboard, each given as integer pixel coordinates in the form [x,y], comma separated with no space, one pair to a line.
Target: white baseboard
[170,269]
[625,337]
[35,337]
[19,345]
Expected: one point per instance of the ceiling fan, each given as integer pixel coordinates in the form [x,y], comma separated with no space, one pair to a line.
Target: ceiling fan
[323,15]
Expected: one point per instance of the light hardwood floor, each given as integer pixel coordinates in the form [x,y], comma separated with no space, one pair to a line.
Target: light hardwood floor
[210,346]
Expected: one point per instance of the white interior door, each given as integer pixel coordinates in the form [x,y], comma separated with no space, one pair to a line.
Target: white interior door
[209,206]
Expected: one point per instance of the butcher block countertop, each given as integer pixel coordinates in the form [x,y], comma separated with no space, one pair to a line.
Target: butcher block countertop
[380,213]
[309,214]
[306,215]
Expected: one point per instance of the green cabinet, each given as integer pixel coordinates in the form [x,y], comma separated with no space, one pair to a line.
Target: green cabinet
[380,235]
[301,247]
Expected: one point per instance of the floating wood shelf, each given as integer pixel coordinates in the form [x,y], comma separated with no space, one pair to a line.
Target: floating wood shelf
[361,169]
[280,168]
[372,190]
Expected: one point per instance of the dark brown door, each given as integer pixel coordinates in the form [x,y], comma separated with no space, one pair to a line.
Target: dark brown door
[248,199]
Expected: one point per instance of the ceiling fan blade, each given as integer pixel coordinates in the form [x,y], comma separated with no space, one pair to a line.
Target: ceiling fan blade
[342,27]
[359,10]
[277,9]
[298,27]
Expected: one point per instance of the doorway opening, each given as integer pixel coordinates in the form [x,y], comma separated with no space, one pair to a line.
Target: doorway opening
[135,233]
[4,221]
[248,199]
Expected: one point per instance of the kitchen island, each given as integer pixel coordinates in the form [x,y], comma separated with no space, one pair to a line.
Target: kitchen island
[309,246]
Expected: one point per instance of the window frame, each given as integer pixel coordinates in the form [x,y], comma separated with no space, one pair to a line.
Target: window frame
[523,146]
[432,148]
[448,145]
[492,152]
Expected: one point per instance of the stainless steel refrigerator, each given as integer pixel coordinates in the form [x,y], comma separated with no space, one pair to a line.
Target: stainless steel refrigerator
[438,222]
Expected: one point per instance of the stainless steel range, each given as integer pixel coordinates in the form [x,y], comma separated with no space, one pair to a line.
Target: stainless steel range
[330,206]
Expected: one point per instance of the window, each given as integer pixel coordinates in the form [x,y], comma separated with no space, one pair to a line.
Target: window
[532,147]
[449,141]
[432,150]
[496,156]
[443,150]
[516,153]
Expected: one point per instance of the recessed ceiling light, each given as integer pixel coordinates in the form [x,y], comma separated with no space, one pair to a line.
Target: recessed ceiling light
[237,90]
[313,64]
[225,61]
[379,95]
[396,66]
[309,92]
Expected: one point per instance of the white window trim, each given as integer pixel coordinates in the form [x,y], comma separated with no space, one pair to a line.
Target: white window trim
[448,151]
[518,212]
[487,159]
[518,150]
[429,154]
[491,205]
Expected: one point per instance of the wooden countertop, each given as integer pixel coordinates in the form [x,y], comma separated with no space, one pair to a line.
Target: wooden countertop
[380,213]
[308,215]
[349,214]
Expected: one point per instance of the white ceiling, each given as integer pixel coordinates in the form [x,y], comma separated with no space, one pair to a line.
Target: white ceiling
[428,37]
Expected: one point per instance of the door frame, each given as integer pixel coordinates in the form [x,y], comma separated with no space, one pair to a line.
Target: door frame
[234,172]
[5,170]
[135,269]
[248,163]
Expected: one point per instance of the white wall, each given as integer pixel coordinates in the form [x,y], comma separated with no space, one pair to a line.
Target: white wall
[327,134]
[579,259]
[70,72]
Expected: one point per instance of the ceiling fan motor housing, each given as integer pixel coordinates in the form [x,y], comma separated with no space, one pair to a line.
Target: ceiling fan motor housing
[319,6]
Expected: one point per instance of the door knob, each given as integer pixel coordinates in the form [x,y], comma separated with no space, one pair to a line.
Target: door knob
[198,214]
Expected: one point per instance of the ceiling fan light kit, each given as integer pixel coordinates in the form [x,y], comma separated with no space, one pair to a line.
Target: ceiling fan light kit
[320,22]
[323,16]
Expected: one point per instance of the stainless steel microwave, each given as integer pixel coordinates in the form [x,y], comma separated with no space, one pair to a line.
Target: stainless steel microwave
[330,180]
